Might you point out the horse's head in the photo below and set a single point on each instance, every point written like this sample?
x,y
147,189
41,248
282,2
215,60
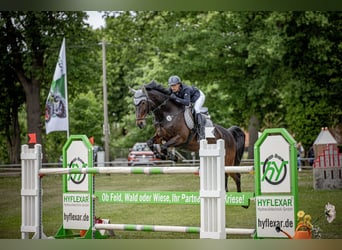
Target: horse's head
x,y
141,107
152,98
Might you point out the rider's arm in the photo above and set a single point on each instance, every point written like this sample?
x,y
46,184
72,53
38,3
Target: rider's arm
x,y
186,98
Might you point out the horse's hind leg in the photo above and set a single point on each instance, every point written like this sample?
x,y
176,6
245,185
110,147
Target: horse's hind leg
x,y
237,179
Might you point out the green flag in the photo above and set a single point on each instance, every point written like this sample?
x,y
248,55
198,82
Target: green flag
x,y
56,108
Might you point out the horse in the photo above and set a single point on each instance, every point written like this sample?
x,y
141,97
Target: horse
x,y
171,129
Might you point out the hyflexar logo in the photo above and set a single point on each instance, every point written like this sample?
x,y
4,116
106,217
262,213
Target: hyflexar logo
x,y
77,154
77,162
274,169
275,165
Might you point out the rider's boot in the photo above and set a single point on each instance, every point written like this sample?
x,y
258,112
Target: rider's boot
x,y
200,126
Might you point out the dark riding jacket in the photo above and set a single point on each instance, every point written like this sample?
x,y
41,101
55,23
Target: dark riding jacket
x,y
186,94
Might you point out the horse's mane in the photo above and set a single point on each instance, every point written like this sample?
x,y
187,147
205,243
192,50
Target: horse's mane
x,y
154,85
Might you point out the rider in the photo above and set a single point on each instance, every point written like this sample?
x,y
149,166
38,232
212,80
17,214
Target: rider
x,y
187,95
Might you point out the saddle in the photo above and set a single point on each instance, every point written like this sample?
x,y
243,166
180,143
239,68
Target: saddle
x,y
189,117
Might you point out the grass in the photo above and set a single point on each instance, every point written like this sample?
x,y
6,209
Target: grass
x,y
310,200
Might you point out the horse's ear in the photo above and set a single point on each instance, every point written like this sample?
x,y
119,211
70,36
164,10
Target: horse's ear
x,y
132,90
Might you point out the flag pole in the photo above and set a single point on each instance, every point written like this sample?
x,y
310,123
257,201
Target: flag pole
x,y
66,88
105,108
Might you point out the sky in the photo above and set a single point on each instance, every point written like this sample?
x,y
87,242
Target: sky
x,y
95,19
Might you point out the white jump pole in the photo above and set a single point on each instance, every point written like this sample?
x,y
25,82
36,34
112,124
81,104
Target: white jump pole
x,y
138,170
164,228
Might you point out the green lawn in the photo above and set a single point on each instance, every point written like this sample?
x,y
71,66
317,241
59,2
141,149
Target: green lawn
x,y
310,201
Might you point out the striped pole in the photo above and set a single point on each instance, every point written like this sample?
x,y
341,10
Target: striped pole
x,y
162,228
138,170
147,228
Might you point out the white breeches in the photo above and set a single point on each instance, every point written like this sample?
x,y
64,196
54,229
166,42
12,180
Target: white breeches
x,y
199,103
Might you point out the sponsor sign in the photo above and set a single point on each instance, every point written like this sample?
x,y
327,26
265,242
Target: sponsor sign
x,y
77,157
160,197
76,211
77,195
272,212
275,165
275,183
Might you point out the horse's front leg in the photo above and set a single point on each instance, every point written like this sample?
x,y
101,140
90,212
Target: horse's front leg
x,y
155,140
151,142
173,142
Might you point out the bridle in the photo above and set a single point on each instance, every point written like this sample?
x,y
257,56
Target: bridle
x,y
144,96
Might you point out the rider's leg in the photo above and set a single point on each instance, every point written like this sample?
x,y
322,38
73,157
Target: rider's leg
x,y
200,126
200,121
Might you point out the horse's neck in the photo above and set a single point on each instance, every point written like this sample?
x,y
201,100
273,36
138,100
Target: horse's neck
x,y
163,107
160,110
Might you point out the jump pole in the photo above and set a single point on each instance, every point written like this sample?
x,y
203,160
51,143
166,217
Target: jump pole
x,y
138,170
162,228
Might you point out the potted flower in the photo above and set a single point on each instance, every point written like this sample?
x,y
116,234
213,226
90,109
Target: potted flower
x,y
305,229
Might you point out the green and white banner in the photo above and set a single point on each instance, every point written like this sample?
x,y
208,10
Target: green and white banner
x,y
167,197
56,107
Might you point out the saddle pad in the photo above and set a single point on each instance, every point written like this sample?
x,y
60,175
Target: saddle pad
x,y
189,118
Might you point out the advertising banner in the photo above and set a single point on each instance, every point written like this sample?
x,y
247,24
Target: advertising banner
x,y
77,157
76,211
276,183
272,212
275,165
167,197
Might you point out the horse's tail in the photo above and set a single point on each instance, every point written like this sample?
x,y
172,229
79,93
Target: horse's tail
x,y
239,137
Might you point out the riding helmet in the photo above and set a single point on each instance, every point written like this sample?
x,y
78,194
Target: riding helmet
x,y
173,80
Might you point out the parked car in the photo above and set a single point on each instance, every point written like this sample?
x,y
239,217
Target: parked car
x,y
141,154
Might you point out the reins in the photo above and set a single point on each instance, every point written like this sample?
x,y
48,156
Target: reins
x,y
149,101
153,111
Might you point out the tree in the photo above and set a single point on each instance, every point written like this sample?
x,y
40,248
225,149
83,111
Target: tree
x,y
12,97
227,54
29,38
313,98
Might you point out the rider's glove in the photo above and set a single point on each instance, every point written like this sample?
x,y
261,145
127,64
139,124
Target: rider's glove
x,y
173,96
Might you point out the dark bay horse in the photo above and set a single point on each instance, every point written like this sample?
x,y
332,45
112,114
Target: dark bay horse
x,y
171,129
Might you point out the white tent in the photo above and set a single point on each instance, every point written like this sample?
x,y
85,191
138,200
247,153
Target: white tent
x,y
323,139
